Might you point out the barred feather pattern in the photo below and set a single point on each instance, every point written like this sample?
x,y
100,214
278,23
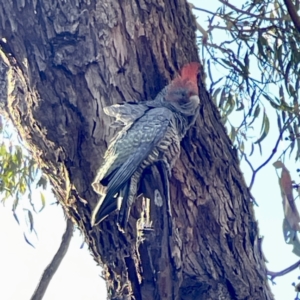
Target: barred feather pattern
x,y
152,132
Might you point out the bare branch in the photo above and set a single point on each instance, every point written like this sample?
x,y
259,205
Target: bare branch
x,y
55,263
273,152
244,155
201,9
244,12
199,27
283,272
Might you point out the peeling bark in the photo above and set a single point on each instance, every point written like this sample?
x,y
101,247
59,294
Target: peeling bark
x,y
61,63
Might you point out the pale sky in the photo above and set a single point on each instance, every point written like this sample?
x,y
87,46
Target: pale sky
x,y
78,276
21,265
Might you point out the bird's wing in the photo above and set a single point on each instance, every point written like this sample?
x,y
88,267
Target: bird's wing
x,y
125,113
130,150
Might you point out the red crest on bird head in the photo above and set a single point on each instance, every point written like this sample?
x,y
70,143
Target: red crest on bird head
x,y
187,78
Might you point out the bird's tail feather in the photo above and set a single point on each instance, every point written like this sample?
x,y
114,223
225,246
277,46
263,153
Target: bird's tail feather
x,y
125,207
100,212
107,205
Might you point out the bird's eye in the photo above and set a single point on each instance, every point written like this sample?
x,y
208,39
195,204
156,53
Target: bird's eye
x,y
183,101
182,97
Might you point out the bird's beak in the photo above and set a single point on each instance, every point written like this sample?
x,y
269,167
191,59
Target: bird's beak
x,y
195,100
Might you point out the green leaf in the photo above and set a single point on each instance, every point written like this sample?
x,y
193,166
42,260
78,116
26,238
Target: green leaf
x,y
292,148
264,128
215,94
255,115
16,217
281,94
16,202
246,60
242,146
256,111
232,134
43,200
286,74
29,218
279,122
252,149
261,43
291,90
229,107
27,241
278,53
241,106
42,182
283,105
227,62
223,98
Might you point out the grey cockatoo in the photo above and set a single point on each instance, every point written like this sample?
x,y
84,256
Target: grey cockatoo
x,y
151,133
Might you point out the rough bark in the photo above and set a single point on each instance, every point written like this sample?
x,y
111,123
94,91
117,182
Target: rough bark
x,y
65,61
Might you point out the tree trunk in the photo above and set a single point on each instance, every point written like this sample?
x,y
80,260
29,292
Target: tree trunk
x,y
62,62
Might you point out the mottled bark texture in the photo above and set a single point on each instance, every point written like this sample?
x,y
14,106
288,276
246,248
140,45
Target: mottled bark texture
x,y
65,61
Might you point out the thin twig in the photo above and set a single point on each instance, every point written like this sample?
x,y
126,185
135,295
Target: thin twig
x,y
247,160
273,152
261,16
232,55
54,264
283,272
283,153
242,29
201,9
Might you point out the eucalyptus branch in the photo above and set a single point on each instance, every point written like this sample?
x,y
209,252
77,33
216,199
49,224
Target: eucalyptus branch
x,y
233,56
244,155
201,9
293,13
241,30
284,152
261,90
54,264
244,12
273,152
291,268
